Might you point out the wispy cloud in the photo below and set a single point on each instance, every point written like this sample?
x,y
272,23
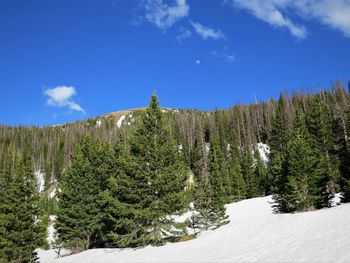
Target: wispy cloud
x,y
164,15
184,34
270,12
333,13
61,96
197,61
224,54
206,32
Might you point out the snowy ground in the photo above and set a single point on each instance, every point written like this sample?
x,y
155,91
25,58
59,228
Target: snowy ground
x,y
255,234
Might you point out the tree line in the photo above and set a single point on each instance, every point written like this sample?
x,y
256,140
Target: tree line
x,y
124,187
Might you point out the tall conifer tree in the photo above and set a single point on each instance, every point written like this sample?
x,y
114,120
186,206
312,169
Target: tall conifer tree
x,y
78,216
301,190
319,125
20,232
160,176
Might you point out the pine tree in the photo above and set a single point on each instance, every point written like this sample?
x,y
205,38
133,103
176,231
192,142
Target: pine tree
x,y
219,173
19,214
200,156
212,195
78,216
301,190
319,126
278,141
238,184
260,173
249,173
345,160
119,222
160,177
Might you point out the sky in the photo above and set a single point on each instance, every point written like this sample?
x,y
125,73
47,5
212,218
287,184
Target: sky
x,y
65,60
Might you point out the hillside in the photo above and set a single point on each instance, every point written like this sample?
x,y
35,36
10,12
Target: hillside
x,y
255,234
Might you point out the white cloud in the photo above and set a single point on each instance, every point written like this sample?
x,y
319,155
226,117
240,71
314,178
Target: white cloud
x,y
61,96
184,34
333,13
206,32
197,61
224,54
163,15
270,12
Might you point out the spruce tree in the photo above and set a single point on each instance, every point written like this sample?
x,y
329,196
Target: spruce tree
x,y
345,160
260,173
238,184
249,173
278,142
118,201
19,214
319,126
213,196
160,176
78,216
301,190
219,173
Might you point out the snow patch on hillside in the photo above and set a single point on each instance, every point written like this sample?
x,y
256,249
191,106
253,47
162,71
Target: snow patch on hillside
x,y
40,177
53,193
98,123
207,147
120,121
264,151
255,234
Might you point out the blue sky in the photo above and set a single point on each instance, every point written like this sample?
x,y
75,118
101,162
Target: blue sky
x,y
63,60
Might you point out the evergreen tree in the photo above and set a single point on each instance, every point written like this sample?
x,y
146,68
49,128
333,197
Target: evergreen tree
x,y
278,141
78,216
238,184
301,190
211,195
345,160
200,156
118,201
319,126
260,173
249,173
19,214
160,177
219,173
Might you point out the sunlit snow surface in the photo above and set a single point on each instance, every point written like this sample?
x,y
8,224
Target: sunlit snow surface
x,y
255,234
264,151
120,121
40,180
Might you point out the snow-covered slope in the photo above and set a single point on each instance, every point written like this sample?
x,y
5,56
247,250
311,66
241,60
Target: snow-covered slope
x,y
255,234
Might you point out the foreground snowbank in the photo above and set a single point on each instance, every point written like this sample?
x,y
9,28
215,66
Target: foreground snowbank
x,y
255,233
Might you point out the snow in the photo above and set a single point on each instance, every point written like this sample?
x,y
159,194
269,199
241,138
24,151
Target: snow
x,y
51,234
207,147
255,234
120,121
336,200
98,123
264,151
51,231
40,180
52,194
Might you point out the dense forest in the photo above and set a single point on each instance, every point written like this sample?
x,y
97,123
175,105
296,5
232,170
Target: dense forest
x,y
121,179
